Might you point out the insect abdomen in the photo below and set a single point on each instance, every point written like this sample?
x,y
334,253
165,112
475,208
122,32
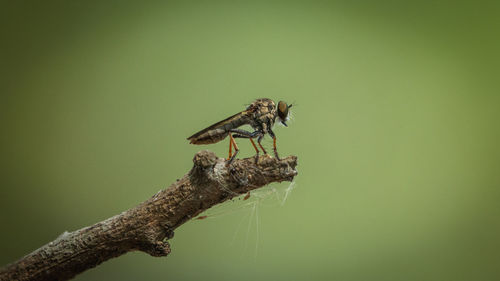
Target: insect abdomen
x,y
210,136
217,131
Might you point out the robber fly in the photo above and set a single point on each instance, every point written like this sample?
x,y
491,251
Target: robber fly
x,y
261,115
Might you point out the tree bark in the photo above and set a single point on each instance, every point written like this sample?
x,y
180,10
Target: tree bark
x,y
147,226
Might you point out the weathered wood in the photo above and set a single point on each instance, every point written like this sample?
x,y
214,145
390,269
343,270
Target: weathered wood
x,y
147,226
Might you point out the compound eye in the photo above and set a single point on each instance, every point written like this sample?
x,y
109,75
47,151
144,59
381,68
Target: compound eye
x,y
282,110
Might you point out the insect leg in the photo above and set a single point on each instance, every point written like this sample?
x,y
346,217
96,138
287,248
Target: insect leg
x,y
261,147
256,151
245,134
230,149
271,133
254,146
235,150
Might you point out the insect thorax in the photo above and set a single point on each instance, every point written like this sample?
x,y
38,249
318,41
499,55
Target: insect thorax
x,y
264,114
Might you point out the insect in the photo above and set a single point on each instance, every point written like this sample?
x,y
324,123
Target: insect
x,y
260,115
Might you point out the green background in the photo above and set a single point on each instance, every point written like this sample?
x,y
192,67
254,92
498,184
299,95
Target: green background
x,y
395,128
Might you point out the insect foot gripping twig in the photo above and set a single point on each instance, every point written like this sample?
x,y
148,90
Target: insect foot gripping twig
x,y
147,226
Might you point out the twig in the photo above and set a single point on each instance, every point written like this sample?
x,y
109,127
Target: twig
x,y
147,226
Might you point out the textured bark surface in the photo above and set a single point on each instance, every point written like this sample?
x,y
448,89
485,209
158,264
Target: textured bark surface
x,y
147,226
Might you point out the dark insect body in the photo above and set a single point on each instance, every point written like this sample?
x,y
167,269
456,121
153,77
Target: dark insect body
x,y
260,115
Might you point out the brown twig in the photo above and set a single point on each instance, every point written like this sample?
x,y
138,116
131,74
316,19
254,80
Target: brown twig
x,y
147,226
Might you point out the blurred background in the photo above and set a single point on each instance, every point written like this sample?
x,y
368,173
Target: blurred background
x,y
395,128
